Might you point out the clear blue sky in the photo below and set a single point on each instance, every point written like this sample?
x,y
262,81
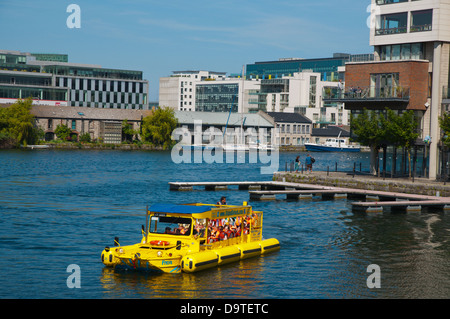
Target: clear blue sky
x,y
158,37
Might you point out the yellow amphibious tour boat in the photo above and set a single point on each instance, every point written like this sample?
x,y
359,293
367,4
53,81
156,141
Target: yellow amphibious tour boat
x,y
193,237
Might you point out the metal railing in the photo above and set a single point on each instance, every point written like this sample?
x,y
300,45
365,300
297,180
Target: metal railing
x,y
364,93
390,1
420,28
390,31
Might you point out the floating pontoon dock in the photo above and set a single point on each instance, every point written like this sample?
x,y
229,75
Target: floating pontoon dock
x,y
374,201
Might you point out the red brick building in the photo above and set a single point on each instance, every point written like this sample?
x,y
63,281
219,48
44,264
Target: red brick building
x,y
398,85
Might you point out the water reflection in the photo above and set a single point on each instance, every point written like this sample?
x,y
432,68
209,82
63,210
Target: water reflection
x,y
243,279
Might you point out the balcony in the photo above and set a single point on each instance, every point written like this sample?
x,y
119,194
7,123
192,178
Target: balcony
x,y
255,101
370,97
367,93
420,28
395,23
379,2
421,20
390,31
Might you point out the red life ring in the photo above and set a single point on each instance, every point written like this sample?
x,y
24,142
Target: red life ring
x,y
159,243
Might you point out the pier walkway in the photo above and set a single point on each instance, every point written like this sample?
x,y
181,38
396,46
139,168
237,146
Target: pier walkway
x,y
367,198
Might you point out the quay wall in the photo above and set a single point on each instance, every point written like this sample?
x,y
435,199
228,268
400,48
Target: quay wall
x,y
336,179
93,146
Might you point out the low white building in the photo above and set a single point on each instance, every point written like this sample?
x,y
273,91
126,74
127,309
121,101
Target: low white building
x,y
234,128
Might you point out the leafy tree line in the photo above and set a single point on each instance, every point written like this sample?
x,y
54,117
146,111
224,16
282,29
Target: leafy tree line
x,y
379,129
17,127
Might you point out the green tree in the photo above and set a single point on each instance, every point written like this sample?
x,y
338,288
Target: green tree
x,y
444,123
400,130
63,132
18,124
367,131
128,133
157,128
375,130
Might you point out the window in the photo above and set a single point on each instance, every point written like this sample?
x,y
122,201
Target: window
x,y
417,51
421,20
404,52
395,54
392,24
170,225
74,124
383,85
312,91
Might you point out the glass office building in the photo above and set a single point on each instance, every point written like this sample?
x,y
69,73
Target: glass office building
x,y
51,78
327,67
217,97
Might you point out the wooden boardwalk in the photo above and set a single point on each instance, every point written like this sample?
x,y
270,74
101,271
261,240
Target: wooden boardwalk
x,y
369,200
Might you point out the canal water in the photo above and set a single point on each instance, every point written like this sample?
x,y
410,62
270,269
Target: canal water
x,y
62,207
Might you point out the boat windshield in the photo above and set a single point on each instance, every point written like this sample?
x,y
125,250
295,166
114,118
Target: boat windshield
x,y
170,225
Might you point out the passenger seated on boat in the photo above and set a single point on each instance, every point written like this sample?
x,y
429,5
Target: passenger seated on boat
x,y
222,234
246,226
237,233
199,229
227,230
213,235
182,229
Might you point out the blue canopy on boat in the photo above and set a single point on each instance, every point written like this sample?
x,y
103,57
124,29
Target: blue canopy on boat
x,y
179,209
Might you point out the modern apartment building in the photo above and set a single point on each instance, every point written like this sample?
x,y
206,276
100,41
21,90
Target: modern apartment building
x,y
411,71
178,90
327,67
299,93
225,95
49,79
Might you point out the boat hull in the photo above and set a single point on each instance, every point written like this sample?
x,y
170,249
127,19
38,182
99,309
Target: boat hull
x,y
191,262
325,148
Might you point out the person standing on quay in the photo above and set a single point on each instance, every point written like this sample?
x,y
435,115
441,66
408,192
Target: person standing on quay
x,y
223,201
308,163
297,163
